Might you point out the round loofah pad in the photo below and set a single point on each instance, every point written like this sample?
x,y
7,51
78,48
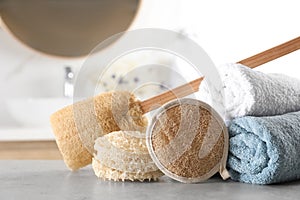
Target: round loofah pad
x,y
188,141
124,154
107,173
76,127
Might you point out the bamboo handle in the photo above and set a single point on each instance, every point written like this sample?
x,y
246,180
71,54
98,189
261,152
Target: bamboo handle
x,y
272,54
193,86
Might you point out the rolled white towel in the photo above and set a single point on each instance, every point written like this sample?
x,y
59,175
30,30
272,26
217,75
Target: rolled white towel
x,y
250,92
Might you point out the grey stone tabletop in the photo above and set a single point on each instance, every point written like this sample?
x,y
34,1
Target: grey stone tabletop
x,y
52,180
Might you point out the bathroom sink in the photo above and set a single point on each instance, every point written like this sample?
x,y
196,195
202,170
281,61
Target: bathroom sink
x,y
35,112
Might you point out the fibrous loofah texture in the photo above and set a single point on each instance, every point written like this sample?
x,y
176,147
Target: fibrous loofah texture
x,y
107,173
189,141
75,155
125,151
76,127
125,154
108,112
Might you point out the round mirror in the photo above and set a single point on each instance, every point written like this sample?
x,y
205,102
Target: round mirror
x,y
67,28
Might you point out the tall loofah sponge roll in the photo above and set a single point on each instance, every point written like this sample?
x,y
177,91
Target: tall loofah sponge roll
x,y
76,127
123,155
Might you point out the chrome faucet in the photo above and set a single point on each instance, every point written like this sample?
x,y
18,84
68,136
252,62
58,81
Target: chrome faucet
x,y
68,82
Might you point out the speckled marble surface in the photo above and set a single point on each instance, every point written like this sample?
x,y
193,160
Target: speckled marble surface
x,y
52,180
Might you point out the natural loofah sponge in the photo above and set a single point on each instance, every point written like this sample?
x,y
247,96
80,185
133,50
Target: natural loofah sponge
x,y
75,155
107,173
76,127
123,155
188,141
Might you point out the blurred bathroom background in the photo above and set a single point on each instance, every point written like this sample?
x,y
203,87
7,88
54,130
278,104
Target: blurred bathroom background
x,y
34,83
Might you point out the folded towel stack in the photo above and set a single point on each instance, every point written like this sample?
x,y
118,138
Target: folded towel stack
x,y
265,150
262,150
250,92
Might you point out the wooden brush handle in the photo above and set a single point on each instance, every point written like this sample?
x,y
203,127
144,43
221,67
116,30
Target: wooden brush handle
x,y
272,54
193,86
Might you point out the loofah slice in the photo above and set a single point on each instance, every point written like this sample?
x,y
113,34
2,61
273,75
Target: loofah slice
x,y
107,173
121,160
125,152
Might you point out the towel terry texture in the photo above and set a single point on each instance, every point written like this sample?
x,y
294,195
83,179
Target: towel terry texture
x,y
250,92
265,150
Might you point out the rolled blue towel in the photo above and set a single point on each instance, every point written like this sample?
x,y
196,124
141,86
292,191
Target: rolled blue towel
x,y
265,150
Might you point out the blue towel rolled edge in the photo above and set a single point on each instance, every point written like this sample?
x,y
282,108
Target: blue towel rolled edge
x,y
265,150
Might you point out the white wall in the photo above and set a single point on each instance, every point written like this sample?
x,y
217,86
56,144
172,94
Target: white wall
x,y
229,30
26,73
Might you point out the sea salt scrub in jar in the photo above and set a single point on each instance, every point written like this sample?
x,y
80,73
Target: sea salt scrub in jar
x,y
188,141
